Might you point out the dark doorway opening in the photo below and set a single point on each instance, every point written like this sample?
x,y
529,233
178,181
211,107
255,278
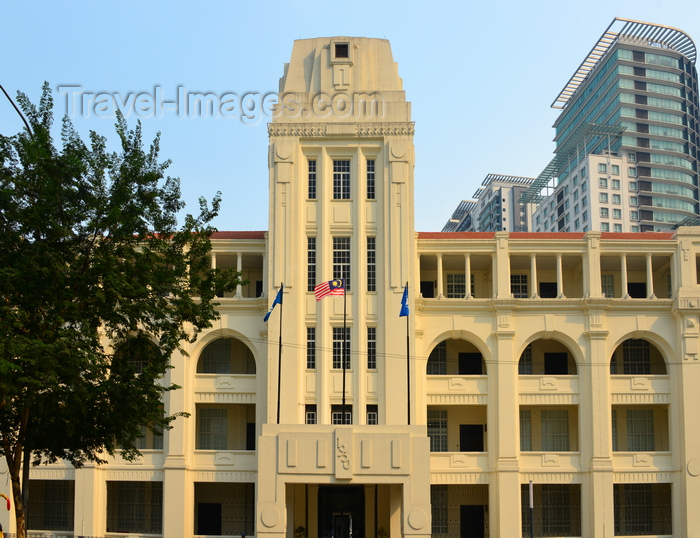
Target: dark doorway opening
x,y
548,290
556,363
427,289
341,512
637,290
470,364
471,438
471,521
209,518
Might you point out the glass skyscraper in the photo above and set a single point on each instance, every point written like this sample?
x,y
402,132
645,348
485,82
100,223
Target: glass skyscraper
x,y
626,156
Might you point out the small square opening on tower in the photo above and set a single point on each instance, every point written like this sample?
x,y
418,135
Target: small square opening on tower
x,y
342,50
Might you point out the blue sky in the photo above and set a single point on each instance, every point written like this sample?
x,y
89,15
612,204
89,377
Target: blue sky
x,y
481,77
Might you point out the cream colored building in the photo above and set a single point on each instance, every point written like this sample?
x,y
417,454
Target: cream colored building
x,y
569,360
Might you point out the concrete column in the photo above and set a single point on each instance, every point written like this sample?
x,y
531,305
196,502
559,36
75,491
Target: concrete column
x,y
266,278
395,502
560,279
502,416
592,285
467,276
239,269
533,275
91,512
623,276
178,497
440,294
650,278
213,260
597,504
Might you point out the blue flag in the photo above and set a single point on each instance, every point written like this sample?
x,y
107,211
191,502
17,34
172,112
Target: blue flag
x,y
404,303
278,300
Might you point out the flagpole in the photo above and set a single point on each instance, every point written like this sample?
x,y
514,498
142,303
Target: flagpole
x,y
408,368
279,360
344,353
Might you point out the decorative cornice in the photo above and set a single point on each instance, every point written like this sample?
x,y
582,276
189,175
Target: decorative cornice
x,y
321,129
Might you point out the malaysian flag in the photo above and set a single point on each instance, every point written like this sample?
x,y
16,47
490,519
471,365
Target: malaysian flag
x,y
332,287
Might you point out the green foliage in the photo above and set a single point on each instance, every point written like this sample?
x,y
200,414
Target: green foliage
x,y
92,260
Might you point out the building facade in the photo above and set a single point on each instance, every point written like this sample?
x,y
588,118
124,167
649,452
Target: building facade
x,y
568,360
629,131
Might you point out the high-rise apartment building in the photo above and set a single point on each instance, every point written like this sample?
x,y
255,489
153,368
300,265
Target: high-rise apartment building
x,y
627,137
497,207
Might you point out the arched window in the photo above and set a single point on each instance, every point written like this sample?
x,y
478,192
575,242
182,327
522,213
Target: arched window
x,y
226,356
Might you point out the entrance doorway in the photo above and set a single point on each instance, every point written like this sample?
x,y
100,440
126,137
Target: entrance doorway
x,y
471,521
341,512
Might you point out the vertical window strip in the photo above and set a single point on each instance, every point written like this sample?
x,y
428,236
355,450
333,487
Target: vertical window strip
x,y
438,504
608,286
437,430
312,180
341,260
372,414
213,429
338,342
525,363
437,361
518,286
370,180
371,348
555,431
614,430
311,264
525,431
640,430
341,180
456,286
311,348
371,264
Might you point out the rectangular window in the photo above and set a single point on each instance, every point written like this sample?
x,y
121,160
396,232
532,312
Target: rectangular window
x,y
311,263
311,348
312,179
576,209
135,507
604,212
371,264
525,431
617,228
642,509
614,430
371,348
53,506
583,186
338,342
584,201
310,412
555,431
615,170
584,216
370,180
617,213
633,186
341,260
632,171
635,229
456,286
634,215
341,180
640,430
616,199
603,183
372,415
437,430
634,201
337,414
631,157
603,197
604,227
616,184
212,429
602,168
518,286
608,286
636,357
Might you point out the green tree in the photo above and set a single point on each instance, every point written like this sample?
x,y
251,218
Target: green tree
x,y
99,286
